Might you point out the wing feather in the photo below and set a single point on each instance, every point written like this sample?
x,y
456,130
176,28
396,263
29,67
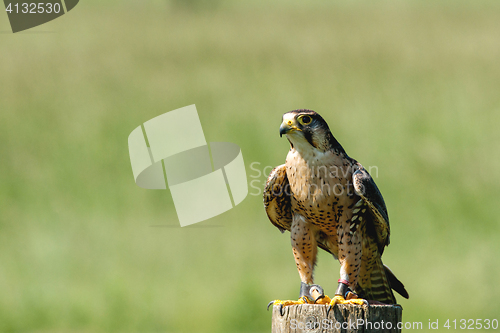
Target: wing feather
x,y
277,199
366,188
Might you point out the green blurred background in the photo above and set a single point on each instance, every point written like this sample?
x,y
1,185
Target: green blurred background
x,y
411,87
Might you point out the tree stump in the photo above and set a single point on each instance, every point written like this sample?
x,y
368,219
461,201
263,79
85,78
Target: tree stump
x,y
312,318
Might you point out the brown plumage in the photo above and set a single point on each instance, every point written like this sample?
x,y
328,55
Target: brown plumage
x,y
327,199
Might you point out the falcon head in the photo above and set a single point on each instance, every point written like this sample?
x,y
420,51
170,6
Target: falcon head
x,y
306,129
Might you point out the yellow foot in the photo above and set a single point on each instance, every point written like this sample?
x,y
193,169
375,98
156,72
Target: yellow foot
x,y
282,304
325,300
351,299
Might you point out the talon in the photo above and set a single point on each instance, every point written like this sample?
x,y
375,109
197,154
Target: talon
x,y
323,300
282,304
350,295
318,298
329,307
315,293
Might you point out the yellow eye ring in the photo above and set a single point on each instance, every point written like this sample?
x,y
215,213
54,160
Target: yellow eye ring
x,y
305,120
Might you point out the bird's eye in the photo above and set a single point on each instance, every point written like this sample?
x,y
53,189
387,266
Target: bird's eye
x,y
305,120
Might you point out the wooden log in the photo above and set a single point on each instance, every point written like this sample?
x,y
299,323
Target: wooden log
x,y
312,318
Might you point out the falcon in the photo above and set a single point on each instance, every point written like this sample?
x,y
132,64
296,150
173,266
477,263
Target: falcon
x,y
327,199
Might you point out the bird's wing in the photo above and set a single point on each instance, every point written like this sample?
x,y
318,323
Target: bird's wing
x,y
277,199
366,188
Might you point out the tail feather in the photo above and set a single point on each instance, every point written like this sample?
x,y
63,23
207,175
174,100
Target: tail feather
x,y
395,283
382,282
378,288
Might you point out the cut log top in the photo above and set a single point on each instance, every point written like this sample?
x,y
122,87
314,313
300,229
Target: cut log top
x,y
312,318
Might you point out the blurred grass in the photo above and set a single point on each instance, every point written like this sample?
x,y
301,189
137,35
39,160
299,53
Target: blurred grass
x,y
408,87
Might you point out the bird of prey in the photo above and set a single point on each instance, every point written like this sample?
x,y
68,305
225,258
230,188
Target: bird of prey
x,y
326,198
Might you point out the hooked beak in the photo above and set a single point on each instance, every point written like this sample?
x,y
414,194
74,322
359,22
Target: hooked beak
x,y
284,128
287,126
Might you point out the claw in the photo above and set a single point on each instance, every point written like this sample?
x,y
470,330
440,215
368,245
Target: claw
x,y
350,295
319,297
351,298
315,293
309,294
282,304
329,307
282,313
